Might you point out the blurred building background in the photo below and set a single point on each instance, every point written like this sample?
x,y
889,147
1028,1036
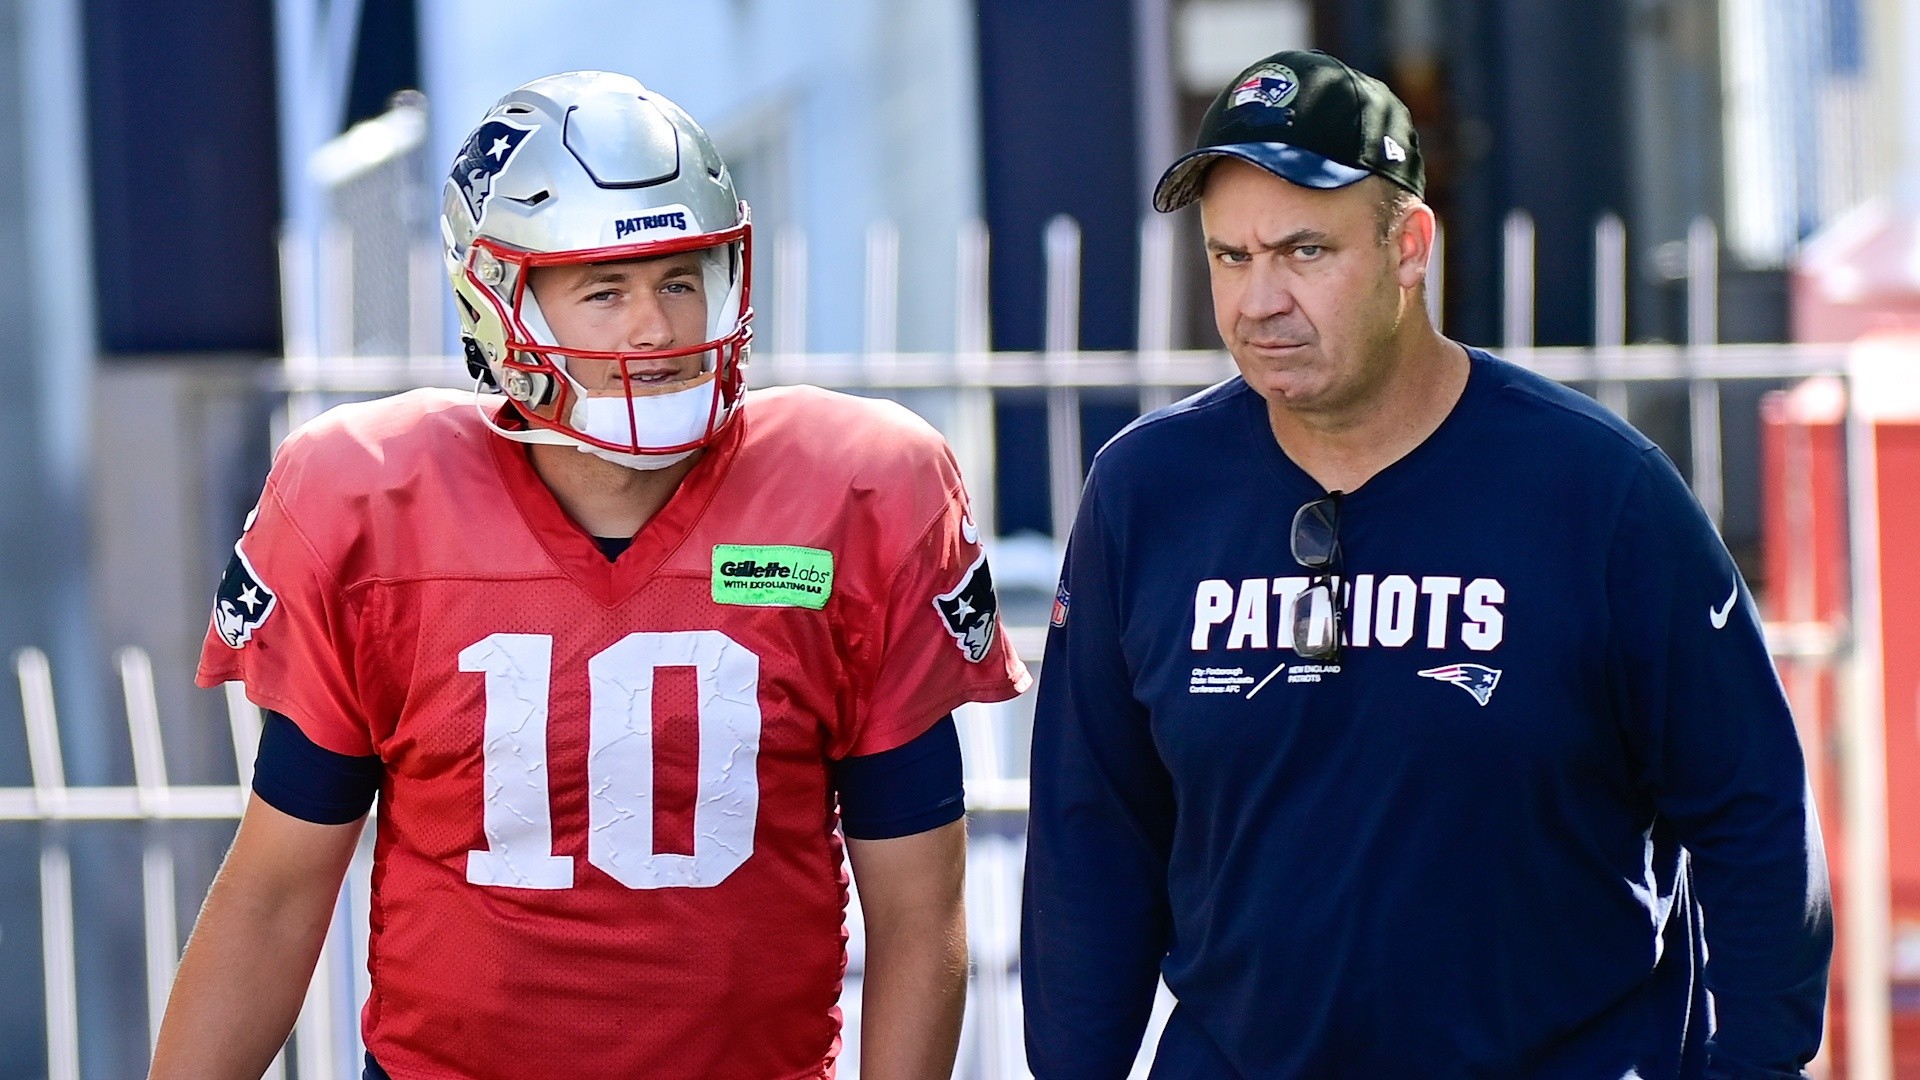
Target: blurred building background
x,y
193,213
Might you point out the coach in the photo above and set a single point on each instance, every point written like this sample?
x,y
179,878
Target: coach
x,y
1402,708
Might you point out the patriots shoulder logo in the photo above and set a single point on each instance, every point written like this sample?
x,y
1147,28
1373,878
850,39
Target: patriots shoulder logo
x,y
486,153
242,603
1474,679
967,610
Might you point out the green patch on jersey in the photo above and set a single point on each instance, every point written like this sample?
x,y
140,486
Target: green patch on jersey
x,y
772,575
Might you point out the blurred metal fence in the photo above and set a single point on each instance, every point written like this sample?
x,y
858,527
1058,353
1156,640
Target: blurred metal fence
x,y
956,390
326,1042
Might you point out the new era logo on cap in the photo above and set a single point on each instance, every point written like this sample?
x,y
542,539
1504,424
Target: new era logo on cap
x,y
1307,118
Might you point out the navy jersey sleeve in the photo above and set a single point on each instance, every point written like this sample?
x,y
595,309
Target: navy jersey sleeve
x,y
1095,915
296,776
906,790
1710,729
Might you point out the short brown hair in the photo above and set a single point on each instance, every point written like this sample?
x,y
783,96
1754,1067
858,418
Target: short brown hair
x,y
1393,205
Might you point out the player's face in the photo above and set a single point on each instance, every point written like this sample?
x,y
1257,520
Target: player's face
x,y
1305,295
641,305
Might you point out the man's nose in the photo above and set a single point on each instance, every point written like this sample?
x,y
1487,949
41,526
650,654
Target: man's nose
x,y
647,326
1269,290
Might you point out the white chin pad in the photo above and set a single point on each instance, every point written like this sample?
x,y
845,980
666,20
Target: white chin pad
x,y
667,418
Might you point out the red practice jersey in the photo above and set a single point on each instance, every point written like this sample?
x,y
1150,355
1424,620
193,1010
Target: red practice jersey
x,y
607,843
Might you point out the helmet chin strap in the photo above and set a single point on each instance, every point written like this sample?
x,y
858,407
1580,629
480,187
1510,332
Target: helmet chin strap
x,y
673,417
648,463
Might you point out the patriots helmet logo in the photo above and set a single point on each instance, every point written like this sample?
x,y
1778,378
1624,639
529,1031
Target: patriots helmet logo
x,y
968,610
492,145
1272,85
1474,679
242,603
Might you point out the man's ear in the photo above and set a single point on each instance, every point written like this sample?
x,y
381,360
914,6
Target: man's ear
x,y
1413,239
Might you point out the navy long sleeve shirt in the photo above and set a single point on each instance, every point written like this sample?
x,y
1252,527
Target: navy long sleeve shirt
x,y
1489,842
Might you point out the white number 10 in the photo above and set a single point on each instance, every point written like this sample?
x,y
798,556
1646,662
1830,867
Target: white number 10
x,y
517,808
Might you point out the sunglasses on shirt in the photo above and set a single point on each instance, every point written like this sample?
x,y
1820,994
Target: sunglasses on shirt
x,y
1315,539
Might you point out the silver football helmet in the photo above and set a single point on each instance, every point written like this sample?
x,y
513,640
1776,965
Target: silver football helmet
x,y
592,167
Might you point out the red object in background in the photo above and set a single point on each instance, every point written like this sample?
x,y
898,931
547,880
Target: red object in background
x,y
1805,552
1860,275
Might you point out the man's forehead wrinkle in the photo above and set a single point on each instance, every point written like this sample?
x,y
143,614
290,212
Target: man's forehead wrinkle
x,y
1306,234
1299,236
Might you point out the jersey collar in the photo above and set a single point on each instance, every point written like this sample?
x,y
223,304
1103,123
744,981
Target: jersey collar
x,y
575,553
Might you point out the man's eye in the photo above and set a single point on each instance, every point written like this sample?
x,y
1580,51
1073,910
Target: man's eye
x,y
1231,258
1308,251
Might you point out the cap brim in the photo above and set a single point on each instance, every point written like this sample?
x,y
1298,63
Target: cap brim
x,y
1182,181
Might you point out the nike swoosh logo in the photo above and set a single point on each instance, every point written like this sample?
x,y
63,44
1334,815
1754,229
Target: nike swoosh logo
x,y
1718,616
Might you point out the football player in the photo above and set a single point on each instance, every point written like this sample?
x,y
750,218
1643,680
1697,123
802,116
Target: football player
x,y
623,650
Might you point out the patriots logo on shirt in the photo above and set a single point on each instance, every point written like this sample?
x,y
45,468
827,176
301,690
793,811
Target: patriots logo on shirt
x,y
487,152
242,603
1271,85
968,609
1474,679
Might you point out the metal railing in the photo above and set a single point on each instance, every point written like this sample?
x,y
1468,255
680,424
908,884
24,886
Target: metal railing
x,y
1154,368
325,1041
152,798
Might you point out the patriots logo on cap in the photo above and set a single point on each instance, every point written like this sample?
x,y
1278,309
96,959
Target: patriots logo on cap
x,y
1272,85
488,150
967,610
1474,679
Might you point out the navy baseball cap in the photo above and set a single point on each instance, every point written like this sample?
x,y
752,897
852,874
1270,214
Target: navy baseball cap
x,y
1305,117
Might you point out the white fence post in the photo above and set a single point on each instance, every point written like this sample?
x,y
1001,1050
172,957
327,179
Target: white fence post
x,y
57,954
43,731
1518,282
1610,310
973,438
426,310
56,871
1062,346
243,716
161,916
1703,394
882,338
1155,326
789,294
1866,922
